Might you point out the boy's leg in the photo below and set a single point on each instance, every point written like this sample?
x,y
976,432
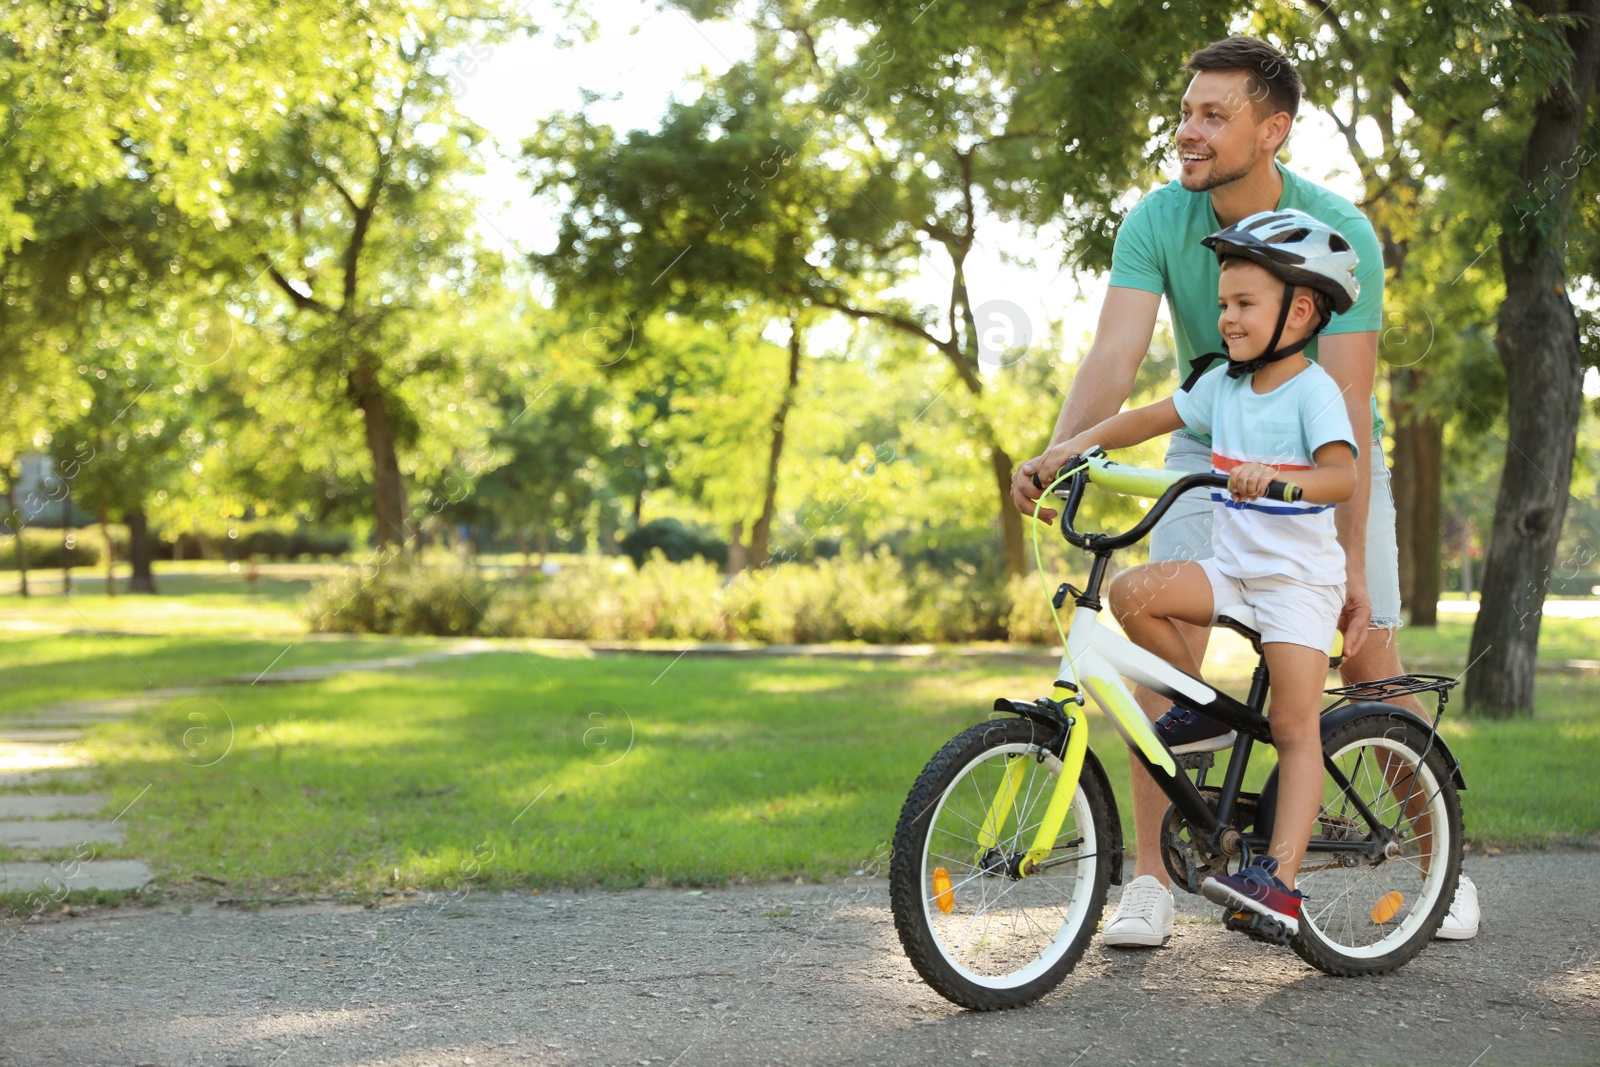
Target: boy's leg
x,y
1266,887
1150,601
1298,673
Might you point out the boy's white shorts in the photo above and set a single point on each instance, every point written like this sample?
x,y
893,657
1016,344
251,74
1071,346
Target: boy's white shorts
x,y
1287,609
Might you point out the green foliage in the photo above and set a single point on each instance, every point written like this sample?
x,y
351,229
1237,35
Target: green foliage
x,y
401,600
875,599
46,549
674,541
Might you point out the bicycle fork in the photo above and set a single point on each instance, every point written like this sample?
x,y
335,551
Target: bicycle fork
x,y
1055,815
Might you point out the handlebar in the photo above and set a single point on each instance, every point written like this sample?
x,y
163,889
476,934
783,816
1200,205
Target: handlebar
x,y
1137,481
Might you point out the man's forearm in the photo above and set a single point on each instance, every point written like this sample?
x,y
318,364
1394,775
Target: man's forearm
x,y
1350,518
1097,393
1351,360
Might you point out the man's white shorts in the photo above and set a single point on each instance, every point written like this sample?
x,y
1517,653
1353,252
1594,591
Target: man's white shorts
x,y
1287,609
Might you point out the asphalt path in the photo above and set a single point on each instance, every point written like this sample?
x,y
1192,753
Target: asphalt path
x,y
779,974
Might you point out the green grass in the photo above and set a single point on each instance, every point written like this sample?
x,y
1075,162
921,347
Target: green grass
x,y
202,597
519,769
522,770
37,672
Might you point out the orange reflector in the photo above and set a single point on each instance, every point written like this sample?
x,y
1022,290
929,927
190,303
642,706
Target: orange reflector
x,y
943,895
1387,907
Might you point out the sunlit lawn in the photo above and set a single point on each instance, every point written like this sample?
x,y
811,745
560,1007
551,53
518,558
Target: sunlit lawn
x,y
724,770
524,769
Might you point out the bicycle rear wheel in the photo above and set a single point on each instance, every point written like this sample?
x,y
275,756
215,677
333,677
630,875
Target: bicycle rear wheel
x,y
979,934
1365,913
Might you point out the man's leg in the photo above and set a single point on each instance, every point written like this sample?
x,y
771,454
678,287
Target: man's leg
x,y
1379,657
1143,917
1152,603
1149,802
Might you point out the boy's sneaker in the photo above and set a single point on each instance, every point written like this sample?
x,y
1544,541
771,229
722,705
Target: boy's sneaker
x,y
1257,888
1143,918
1461,922
1184,731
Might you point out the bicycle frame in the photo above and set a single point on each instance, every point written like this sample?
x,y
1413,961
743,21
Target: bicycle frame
x,y
1096,659
1095,662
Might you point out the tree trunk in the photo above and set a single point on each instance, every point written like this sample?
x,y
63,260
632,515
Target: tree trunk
x,y
736,554
22,543
389,491
1418,486
141,551
111,553
66,540
1010,518
1537,342
1466,560
761,533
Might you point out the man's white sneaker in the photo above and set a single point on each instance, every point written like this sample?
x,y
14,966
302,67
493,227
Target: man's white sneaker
x,y
1143,918
1461,922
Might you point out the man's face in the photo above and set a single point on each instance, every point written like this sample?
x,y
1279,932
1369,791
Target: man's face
x,y
1220,139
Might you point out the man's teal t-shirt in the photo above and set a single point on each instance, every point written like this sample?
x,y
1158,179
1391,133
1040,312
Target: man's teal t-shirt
x,y
1158,250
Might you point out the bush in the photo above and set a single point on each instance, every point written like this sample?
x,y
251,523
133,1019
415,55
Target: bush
x,y
398,599
45,550
675,541
873,599
661,599
876,599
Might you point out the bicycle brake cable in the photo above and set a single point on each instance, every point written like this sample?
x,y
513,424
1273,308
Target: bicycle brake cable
x,y
1038,559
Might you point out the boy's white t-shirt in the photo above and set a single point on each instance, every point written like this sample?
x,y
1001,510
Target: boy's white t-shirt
x,y
1283,429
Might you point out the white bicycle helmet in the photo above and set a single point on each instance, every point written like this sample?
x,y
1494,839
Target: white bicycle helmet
x,y
1298,250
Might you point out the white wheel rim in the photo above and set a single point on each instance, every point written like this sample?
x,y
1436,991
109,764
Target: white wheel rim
x,y
1077,905
1346,904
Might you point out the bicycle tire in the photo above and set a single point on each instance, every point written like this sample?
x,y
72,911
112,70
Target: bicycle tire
x,y
1033,930
1366,918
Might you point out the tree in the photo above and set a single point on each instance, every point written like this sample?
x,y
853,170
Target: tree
x,y
1538,343
812,188
356,222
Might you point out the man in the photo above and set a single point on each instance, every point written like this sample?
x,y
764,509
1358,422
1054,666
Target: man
x,y
1237,113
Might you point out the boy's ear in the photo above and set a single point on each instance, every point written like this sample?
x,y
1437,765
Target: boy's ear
x,y
1303,310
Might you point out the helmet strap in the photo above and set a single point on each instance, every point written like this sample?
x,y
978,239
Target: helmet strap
x,y
1272,354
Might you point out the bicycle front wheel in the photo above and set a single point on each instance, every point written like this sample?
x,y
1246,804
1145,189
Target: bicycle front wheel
x,y
1368,912
979,933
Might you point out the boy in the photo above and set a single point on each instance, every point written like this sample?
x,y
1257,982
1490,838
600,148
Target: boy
x,y
1272,414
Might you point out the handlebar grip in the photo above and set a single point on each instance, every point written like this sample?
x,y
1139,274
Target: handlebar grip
x,y
1288,492
1071,463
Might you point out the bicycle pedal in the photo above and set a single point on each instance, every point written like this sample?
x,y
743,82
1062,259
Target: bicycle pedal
x,y
1196,761
1260,927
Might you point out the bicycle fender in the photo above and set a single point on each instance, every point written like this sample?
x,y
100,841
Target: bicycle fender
x,y
1091,766
1339,718
1336,720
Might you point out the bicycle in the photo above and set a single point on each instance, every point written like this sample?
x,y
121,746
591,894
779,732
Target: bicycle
x,y
1010,838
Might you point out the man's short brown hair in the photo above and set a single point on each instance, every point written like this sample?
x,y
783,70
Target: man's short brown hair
x,y
1274,85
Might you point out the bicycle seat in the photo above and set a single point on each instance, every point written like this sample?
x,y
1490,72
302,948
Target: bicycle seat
x,y
1241,619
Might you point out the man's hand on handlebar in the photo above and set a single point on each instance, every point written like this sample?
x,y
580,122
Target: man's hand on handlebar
x,y
1046,467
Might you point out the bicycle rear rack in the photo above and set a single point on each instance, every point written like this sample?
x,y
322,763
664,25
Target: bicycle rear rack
x,y
1386,689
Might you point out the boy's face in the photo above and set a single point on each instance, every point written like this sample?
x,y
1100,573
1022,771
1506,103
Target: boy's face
x,y
1248,300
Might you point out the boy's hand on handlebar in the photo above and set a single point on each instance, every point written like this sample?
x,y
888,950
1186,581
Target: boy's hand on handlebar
x,y
1249,481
